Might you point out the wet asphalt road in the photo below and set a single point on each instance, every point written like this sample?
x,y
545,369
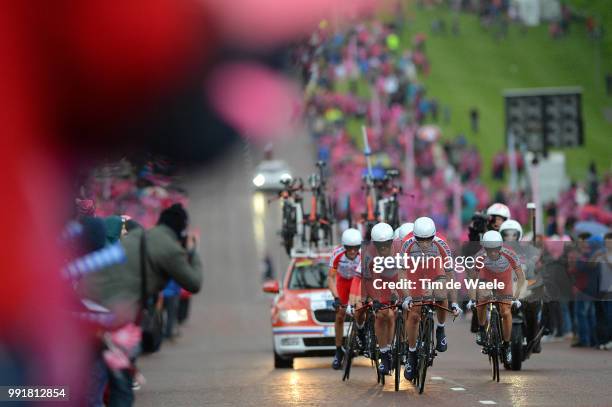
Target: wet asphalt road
x,y
224,355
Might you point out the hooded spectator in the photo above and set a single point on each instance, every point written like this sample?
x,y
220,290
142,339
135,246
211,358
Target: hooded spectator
x,y
114,228
93,237
169,257
131,225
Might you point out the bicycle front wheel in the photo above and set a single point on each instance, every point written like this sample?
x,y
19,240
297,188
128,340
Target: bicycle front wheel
x,y
425,353
371,347
350,350
494,344
398,349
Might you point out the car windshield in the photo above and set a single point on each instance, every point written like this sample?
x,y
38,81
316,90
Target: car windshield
x,y
308,275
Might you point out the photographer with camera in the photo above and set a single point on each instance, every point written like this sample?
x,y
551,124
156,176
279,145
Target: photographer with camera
x,y
481,223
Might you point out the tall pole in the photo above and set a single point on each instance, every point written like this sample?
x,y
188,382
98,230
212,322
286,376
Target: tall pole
x,y
456,225
409,134
376,113
512,162
366,151
535,194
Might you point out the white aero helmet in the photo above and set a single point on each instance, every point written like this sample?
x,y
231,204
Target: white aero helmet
x,y
499,209
491,240
403,230
351,237
382,232
424,227
511,224
396,233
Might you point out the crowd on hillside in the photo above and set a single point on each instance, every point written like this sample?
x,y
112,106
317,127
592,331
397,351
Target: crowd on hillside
x,y
369,74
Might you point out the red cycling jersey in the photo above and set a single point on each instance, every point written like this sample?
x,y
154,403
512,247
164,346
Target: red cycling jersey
x,y
499,269
426,264
348,273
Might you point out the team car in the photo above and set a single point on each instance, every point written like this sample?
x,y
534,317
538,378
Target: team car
x,y
269,174
302,314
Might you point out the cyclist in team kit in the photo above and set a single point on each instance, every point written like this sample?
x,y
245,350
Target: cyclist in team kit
x,y
528,254
402,231
382,244
425,243
498,263
344,282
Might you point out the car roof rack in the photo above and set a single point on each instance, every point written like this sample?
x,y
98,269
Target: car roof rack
x,y
309,252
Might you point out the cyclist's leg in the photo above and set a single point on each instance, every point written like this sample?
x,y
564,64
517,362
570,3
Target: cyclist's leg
x,y
482,317
355,300
440,295
391,325
343,285
343,294
412,325
412,332
483,295
414,316
441,299
481,314
441,314
506,316
384,333
406,317
359,315
339,325
384,320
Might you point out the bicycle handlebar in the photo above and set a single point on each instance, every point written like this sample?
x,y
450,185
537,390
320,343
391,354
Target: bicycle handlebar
x,y
370,304
365,305
433,303
493,302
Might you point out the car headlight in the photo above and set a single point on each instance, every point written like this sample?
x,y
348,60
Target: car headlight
x,y
291,316
259,180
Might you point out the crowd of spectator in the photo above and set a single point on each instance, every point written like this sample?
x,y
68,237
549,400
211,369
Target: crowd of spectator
x,y
369,75
133,266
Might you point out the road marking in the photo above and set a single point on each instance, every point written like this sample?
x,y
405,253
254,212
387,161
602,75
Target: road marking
x,y
457,389
487,402
437,378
